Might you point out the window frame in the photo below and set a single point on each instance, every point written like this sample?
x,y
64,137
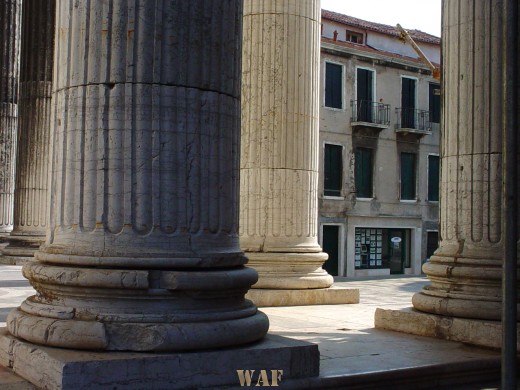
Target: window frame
x,y
372,158
325,195
428,177
430,102
414,170
342,85
354,33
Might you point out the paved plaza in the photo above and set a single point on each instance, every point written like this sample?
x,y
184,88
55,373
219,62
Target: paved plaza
x,y
350,347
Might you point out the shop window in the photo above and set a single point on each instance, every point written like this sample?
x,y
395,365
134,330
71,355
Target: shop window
x,y
433,178
333,170
377,248
333,85
435,103
369,248
363,172
408,166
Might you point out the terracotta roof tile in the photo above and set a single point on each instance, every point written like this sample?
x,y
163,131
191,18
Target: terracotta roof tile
x,y
417,35
369,49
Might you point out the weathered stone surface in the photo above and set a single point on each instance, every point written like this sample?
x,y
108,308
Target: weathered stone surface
x,y
300,297
142,251
67,369
34,109
466,270
476,332
10,22
279,159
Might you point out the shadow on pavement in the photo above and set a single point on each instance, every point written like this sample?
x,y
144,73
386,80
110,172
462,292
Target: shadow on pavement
x,y
14,283
413,287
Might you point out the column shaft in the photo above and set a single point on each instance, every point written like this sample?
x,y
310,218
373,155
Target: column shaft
x,y
466,269
142,252
279,159
10,18
30,197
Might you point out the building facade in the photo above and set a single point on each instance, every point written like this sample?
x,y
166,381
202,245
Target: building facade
x,y
379,148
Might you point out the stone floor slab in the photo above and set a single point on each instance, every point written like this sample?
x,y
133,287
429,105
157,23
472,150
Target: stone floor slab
x,y
324,296
476,332
54,368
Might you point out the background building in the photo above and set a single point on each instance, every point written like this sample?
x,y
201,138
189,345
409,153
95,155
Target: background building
x,y
379,148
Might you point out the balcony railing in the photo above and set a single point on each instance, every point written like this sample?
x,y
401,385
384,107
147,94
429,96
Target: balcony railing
x,y
368,112
411,120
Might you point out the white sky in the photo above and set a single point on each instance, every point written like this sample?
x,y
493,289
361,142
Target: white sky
x,y
424,15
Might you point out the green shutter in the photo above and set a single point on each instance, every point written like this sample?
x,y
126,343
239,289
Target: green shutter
x,y
363,173
407,103
408,176
364,95
333,83
433,178
435,104
333,170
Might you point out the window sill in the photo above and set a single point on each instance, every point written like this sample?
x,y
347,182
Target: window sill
x,y
410,201
335,109
365,199
433,201
329,197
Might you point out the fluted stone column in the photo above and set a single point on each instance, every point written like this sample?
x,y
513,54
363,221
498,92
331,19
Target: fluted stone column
x,y
10,18
463,301
466,270
143,252
279,159
30,196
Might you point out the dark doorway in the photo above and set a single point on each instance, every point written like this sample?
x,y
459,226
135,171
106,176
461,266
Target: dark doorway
x,y
331,247
397,248
364,95
432,242
407,103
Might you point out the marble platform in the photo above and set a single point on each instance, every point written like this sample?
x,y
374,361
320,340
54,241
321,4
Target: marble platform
x,y
475,332
55,368
323,296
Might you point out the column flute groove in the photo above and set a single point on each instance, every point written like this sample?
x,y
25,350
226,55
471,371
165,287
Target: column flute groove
x,y
10,31
150,259
30,196
465,271
279,161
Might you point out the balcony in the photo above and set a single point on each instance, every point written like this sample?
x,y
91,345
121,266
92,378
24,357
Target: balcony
x,y
413,121
370,115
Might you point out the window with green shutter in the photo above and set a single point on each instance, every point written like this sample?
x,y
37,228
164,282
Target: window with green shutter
x,y
333,170
435,103
333,83
433,178
408,176
363,172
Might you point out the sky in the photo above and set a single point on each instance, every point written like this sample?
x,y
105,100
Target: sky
x,y
424,15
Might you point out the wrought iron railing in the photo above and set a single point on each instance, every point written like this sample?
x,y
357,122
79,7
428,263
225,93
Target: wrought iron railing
x,y
412,118
370,112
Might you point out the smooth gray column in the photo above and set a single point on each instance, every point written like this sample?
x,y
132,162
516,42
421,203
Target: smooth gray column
x,y
10,14
30,195
142,251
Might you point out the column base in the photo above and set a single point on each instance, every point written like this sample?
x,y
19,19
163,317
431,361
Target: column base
x,y
55,368
484,333
322,296
4,238
20,249
282,270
